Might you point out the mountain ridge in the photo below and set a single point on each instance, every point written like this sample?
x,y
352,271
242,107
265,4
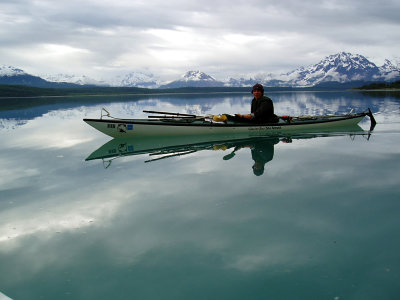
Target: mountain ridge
x,y
341,68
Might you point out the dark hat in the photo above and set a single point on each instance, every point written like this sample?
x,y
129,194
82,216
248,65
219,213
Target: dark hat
x,y
257,87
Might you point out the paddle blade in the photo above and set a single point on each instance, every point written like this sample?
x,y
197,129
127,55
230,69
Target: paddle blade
x,y
229,156
373,121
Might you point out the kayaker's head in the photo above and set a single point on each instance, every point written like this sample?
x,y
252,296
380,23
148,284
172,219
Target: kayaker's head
x,y
257,90
258,168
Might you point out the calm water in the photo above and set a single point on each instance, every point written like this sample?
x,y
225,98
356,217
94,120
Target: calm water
x,y
192,219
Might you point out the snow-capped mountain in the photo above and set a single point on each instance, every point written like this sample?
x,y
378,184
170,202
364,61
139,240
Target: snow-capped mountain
x,y
135,79
10,71
132,79
194,79
70,78
197,76
342,67
241,81
267,79
338,68
389,71
15,76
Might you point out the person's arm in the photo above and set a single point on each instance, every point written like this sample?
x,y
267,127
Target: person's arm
x,y
248,116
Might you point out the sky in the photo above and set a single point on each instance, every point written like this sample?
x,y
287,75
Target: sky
x,y
102,38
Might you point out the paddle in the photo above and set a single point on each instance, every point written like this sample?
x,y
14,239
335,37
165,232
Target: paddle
x,y
217,118
172,115
232,154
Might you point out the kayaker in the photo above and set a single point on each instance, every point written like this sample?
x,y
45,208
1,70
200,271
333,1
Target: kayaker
x,y
262,107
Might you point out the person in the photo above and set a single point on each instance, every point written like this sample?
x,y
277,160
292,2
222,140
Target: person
x,y
262,107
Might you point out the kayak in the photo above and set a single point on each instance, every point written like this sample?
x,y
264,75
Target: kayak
x,y
172,146
176,124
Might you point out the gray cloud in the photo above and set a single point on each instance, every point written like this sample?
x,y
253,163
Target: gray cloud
x,y
168,38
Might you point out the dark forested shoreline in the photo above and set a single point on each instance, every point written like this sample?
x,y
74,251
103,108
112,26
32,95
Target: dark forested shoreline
x,y
28,91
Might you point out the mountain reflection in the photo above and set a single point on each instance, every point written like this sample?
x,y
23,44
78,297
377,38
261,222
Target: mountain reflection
x,y
157,148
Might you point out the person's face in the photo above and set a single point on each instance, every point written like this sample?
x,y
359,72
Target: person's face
x,y
257,94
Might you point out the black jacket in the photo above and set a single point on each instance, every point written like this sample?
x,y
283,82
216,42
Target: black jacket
x,y
263,110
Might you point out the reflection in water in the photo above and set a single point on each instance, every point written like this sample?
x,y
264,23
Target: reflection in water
x,y
262,151
194,222
157,148
14,114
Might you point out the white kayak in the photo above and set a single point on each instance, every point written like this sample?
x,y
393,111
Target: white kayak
x,y
176,124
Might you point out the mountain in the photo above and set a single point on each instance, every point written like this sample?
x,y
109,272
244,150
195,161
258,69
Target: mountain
x,y
194,79
132,79
239,82
10,71
11,75
389,71
71,78
15,76
136,79
342,67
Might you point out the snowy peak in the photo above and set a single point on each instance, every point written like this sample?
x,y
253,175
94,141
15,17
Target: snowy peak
x,y
194,79
197,76
71,78
389,71
10,71
341,67
348,61
240,82
343,62
388,66
136,79
132,79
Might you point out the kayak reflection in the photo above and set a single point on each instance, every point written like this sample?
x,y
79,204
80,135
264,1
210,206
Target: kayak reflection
x,y
157,148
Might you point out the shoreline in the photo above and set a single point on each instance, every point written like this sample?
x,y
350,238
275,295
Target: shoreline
x,y
25,92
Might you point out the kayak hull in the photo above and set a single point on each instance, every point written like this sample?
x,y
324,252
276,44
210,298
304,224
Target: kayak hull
x,y
147,127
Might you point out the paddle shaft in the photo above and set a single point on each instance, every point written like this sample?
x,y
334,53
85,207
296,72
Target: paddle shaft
x,y
169,113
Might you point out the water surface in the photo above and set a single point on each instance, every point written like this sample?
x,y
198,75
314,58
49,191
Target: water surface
x,y
320,221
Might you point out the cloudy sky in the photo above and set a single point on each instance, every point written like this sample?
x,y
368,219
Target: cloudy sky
x,y
101,38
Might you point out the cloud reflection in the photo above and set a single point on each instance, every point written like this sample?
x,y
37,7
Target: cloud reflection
x,y
324,206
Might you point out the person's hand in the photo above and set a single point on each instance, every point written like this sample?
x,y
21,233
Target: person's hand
x,y
248,116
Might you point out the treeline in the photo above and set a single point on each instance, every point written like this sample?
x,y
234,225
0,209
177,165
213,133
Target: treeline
x,y
381,86
27,91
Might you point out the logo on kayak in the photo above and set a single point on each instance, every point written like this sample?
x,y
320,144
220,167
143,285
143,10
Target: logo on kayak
x,y
125,148
130,127
121,128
